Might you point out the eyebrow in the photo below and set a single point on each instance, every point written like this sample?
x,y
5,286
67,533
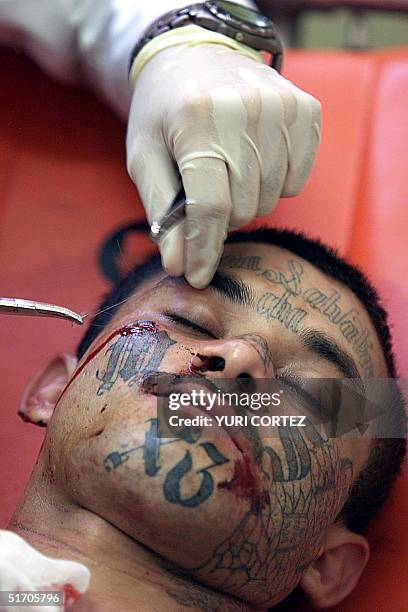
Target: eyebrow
x,y
326,347
234,289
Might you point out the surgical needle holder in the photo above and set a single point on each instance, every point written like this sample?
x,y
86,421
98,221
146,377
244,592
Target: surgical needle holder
x,y
174,215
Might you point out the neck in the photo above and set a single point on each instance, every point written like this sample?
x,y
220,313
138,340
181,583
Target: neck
x,y
125,575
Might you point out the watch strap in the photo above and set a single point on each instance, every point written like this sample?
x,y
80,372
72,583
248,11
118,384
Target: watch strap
x,y
189,35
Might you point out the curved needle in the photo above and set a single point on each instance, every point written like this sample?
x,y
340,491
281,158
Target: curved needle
x,y
37,309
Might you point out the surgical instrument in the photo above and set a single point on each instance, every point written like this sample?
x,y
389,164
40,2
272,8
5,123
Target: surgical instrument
x,y
37,309
174,215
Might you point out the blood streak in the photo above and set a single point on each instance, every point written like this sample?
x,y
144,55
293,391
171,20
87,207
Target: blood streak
x,y
139,328
71,595
245,484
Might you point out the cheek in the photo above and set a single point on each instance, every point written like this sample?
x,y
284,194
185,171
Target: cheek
x,y
76,411
87,427
149,493
308,486
177,358
332,478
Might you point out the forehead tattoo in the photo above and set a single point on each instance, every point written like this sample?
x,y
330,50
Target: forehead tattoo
x,y
277,304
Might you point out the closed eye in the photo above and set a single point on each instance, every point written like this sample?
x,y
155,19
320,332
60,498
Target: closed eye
x,y
187,323
295,387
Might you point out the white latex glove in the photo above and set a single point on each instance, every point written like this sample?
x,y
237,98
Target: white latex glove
x,y
23,568
240,134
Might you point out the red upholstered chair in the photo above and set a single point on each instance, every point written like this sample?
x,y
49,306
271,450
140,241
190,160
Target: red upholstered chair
x,y
64,189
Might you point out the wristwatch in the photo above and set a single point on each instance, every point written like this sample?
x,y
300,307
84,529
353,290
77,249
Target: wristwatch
x,y
243,24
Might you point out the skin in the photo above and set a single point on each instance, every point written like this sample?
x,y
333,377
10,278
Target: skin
x,y
171,525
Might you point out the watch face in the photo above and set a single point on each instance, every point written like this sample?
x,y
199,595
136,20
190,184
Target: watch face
x,y
243,13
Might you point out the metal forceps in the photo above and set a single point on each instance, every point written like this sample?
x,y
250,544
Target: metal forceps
x,y
174,215
31,308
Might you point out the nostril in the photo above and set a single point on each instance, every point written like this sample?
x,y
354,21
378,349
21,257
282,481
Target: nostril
x,y
247,383
215,364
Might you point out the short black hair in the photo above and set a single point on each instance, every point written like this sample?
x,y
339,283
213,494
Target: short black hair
x,y
376,480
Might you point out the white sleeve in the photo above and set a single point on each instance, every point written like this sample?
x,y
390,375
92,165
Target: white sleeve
x,y
24,568
76,39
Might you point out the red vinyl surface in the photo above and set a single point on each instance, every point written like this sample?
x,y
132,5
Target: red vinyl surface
x,y
64,189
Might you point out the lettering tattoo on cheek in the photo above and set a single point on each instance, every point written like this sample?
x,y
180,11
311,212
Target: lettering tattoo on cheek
x,y
173,480
277,305
131,357
305,481
304,478
307,484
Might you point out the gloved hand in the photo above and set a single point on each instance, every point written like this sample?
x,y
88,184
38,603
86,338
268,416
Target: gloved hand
x,y
23,568
240,135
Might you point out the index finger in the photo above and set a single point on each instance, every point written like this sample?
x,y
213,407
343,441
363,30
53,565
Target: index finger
x,y
208,212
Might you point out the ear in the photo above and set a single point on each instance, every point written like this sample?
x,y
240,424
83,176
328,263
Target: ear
x,y
42,392
335,573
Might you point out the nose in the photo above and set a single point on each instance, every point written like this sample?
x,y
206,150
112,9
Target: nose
x,y
234,358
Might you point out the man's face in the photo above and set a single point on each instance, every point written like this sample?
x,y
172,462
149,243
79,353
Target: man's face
x,y
242,520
